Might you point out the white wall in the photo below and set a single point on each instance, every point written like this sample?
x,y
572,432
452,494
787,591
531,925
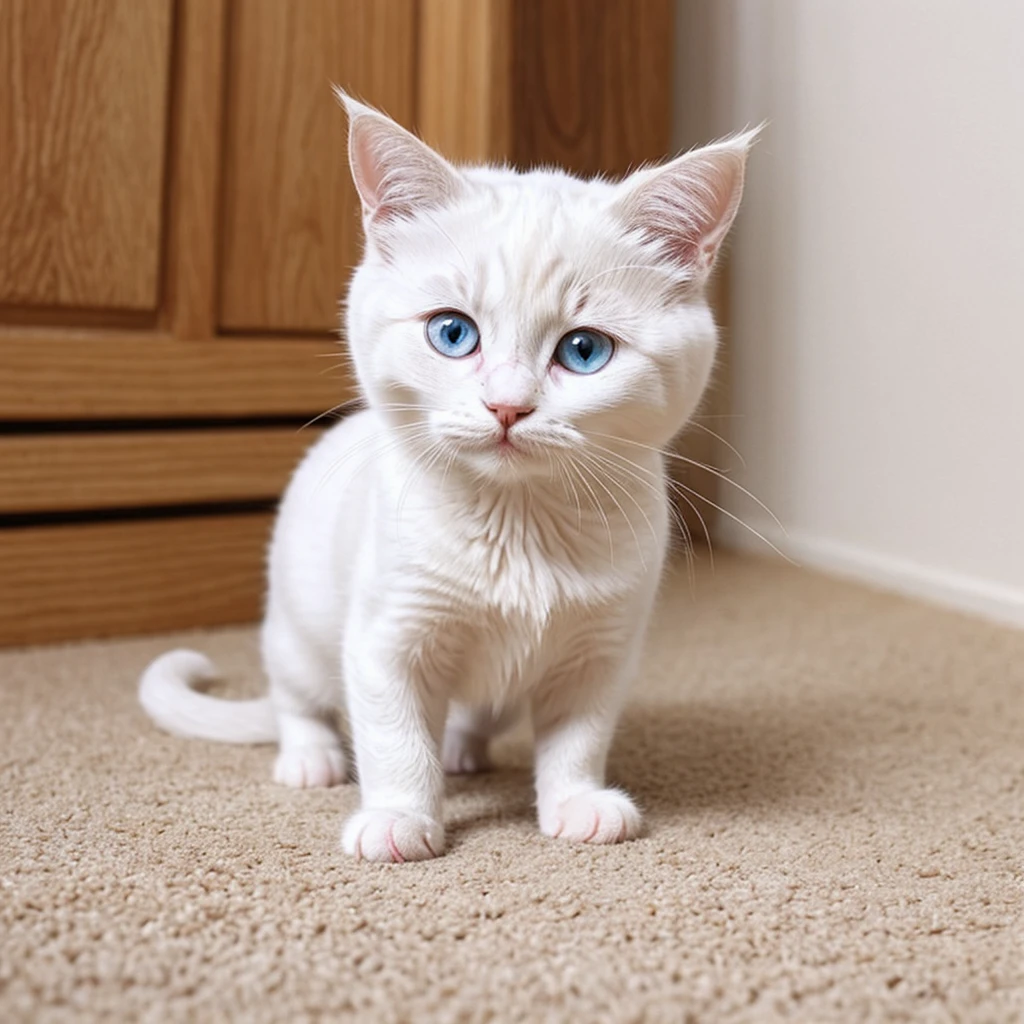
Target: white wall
x,y
878,281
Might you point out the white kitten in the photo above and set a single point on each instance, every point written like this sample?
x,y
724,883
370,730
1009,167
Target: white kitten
x,y
488,535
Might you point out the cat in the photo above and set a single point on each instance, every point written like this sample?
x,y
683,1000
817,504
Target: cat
x,y
485,539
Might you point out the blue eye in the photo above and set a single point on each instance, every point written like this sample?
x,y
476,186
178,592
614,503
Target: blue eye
x,y
584,351
453,334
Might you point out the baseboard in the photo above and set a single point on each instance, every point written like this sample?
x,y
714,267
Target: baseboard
x,y
993,601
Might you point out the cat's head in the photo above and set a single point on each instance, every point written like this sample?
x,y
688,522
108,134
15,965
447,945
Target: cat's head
x,y
503,320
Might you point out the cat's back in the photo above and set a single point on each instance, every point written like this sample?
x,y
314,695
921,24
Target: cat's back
x,y
325,507
328,468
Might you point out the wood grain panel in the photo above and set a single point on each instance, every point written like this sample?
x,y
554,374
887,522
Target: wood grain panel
x,y
196,130
102,579
64,472
464,106
290,216
83,105
83,376
592,82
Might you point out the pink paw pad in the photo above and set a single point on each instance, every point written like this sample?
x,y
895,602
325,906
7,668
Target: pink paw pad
x,y
599,816
310,767
392,837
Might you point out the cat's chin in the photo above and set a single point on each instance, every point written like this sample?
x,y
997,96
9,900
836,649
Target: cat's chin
x,y
506,464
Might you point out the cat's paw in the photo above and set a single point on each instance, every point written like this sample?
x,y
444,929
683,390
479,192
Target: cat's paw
x,y
310,767
597,816
392,837
464,753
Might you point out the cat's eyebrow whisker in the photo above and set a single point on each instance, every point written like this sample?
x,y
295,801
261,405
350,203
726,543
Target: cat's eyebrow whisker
x,y
437,224
709,469
629,266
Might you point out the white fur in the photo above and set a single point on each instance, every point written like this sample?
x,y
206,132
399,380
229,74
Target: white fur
x,y
441,576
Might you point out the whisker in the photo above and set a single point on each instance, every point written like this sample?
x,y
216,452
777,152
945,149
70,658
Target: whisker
x,y
722,440
662,496
622,511
653,268
382,407
408,432
437,224
608,465
598,508
566,478
328,412
675,484
420,467
669,483
331,369
709,469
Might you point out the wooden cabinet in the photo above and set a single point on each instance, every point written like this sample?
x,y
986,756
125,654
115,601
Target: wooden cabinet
x,y
176,228
84,89
288,231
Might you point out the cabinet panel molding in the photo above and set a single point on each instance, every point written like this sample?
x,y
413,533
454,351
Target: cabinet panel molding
x,y
290,228
84,90
58,472
125,376
113,578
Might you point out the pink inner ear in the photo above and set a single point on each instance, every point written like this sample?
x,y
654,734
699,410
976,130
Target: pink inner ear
x,y
394,172
366,171
689,204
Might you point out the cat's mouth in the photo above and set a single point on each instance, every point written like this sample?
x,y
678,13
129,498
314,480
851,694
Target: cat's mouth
x,y
501,454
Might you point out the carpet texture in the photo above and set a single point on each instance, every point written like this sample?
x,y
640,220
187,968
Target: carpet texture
x,y
834,788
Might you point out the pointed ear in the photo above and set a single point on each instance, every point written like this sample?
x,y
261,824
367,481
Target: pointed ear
x,y
395,173
688,204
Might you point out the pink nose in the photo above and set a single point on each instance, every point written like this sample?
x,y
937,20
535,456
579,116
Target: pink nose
x,y
506,415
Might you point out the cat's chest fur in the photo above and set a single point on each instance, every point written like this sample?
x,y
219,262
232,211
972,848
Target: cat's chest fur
x,y
522,554
513,580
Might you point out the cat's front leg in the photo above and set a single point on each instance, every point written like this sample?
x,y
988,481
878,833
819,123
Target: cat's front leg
x,y
396,721
574,719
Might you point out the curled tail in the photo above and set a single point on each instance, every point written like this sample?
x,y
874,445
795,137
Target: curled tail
x,y
167,693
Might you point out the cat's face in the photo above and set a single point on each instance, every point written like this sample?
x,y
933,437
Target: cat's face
x,y
507,322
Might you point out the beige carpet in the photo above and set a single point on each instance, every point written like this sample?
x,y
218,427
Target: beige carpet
x,y
834,786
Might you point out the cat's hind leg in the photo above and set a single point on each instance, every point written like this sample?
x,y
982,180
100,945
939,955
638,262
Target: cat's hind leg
x,y
467,735
305,695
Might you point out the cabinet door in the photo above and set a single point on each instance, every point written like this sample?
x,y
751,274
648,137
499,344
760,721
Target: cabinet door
x,y
140,451
290,224
176,227
83,99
